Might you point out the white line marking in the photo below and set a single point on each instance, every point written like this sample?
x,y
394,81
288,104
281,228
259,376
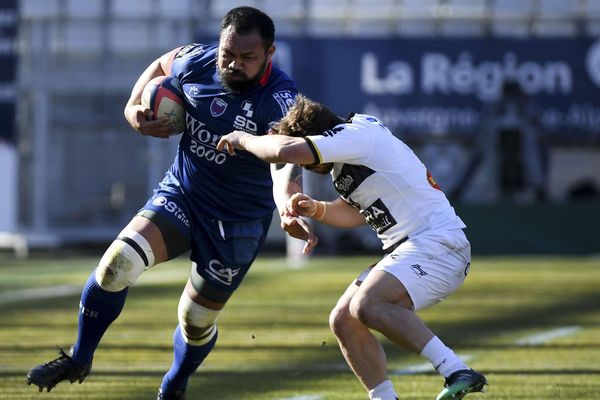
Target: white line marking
x,y
306,397
422,368
543,337
39,293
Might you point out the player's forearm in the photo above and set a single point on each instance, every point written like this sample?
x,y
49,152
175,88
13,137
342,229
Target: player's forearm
x,y
340,214
287,180
277,148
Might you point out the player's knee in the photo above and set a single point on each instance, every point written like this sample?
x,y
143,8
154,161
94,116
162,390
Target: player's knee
x,y
340,320
197,323
124,261
363,309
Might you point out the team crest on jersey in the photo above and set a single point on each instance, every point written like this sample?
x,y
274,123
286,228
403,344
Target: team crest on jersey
x,y
217,107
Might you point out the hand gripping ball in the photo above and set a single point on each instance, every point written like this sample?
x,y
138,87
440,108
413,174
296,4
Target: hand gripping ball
x,y
163,95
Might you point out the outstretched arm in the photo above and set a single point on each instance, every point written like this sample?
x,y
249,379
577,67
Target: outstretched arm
x,y
336,213
269,148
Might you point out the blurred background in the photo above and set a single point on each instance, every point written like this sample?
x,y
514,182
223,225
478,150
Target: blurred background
x,y
499,98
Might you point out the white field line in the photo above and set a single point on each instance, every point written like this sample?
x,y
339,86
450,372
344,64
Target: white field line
x,y
544,337
305,397
49,292
422,368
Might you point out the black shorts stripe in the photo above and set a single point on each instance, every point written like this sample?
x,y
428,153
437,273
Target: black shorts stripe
x,y
313,150
135,246
175,241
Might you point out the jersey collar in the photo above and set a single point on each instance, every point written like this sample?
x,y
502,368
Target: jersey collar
x,y
263,80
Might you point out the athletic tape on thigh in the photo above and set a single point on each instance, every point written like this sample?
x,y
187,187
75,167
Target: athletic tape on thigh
x,y
139,244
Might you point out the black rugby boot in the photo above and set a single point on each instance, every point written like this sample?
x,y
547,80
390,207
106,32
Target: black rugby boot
x,y
60,369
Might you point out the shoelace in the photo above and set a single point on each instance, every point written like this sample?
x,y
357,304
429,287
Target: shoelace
x,y
54,363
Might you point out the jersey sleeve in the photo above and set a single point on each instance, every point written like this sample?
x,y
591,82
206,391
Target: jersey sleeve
x,y
277,105
345,143
186,57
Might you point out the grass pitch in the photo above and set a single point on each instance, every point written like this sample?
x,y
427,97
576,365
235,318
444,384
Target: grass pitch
x,y
531,324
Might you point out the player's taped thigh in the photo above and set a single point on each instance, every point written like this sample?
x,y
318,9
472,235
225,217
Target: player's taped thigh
x,y
124,261
197,322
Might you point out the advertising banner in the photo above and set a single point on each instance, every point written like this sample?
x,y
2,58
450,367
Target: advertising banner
x,y
441,86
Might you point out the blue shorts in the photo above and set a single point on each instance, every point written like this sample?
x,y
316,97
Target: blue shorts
x,y
222,252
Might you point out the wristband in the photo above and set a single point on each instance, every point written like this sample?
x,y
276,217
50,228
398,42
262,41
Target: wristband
x,y
319,216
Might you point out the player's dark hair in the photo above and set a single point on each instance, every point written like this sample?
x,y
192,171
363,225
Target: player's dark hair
x,y
246,20
305,118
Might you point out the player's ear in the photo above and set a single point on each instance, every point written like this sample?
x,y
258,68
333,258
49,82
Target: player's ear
x,y
270,52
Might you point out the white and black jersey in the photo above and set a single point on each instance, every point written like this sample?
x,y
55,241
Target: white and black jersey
x,y
379,175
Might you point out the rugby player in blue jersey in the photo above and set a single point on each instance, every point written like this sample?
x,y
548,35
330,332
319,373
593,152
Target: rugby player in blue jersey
x,y
218,206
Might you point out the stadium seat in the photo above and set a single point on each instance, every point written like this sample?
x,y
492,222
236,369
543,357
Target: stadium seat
x,y
327,18
417,17
39,8
80,38
511,18
558,9
512,9
287,15
372,17
84,9
462,27
463,9
174,8
289,9
132,9
591,12
219,8
128,37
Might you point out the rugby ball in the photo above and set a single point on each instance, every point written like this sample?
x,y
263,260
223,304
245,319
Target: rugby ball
x,y
163,95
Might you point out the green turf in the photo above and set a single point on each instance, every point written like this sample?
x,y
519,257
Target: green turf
x,y
275,342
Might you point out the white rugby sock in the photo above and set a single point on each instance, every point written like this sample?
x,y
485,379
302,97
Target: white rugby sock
x,y
383,391
444,360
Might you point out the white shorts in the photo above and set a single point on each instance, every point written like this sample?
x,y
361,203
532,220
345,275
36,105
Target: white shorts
x,y
430,265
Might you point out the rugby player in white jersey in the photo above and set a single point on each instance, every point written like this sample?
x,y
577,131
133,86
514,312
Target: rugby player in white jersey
x,y
381,182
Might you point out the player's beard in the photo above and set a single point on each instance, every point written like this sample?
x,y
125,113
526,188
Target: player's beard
x,y
237,81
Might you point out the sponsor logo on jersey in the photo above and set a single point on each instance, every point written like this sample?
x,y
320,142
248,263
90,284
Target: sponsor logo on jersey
x,y
190,49
194,91
223,274
173,208
204,143
378,216
285,99
247,108
244,122
331,132
350,177
217,107
418,270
